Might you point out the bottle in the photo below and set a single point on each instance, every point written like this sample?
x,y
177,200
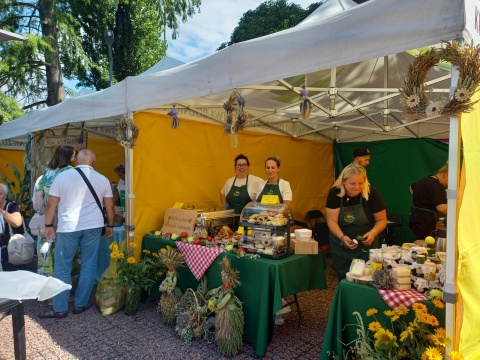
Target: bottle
x,y
441,240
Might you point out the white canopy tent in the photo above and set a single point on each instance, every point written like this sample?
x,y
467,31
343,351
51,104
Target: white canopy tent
x,y
329,54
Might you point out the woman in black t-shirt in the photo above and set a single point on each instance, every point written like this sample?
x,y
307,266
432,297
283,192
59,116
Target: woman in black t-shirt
x,y
355,215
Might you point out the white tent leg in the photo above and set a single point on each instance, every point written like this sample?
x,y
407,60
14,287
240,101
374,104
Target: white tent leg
x,y
450,291
129,222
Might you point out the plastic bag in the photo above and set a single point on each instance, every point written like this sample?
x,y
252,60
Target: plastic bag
x,y
45,257
110,296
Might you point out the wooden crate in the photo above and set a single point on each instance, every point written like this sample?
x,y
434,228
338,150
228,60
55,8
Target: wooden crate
x,y
304,247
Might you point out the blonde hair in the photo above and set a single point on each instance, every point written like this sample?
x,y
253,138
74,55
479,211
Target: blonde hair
x,y
443,169
354,169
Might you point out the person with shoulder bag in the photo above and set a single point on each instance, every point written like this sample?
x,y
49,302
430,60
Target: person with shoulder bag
x,y
62,160
11,222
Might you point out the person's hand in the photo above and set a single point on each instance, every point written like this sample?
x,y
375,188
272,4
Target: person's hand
x,y
369,238
349,243
50,234
108,233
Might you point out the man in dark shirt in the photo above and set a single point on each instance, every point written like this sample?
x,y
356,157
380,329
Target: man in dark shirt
x,y
429,202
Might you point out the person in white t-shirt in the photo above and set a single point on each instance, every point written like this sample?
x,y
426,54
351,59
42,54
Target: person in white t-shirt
x,y
80,223
239,190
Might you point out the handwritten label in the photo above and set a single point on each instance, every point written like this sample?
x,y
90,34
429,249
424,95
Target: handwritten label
x,y
178,205
270,199
78,142
179,220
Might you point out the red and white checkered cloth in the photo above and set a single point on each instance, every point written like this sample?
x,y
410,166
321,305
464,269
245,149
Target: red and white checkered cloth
x,y
395,298
198,258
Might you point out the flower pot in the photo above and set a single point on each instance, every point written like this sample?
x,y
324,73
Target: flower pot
x,y
132,302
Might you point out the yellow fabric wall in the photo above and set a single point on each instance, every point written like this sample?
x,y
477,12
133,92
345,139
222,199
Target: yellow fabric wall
x,y
468,237
109,153
191,164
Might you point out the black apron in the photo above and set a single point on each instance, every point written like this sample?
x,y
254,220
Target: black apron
x,y
271,189
354,222
238,196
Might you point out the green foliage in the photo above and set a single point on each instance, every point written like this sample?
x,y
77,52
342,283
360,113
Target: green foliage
x,y
170,10
9,108
66,38
268,18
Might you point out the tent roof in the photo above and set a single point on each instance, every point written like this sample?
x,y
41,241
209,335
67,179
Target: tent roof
x,y
7,35
353,41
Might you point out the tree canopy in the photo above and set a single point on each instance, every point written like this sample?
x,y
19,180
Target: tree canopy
x,y
268,18
66,39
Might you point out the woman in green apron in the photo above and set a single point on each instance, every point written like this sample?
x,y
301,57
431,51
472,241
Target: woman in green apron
x,y
275,185
240,189
355,215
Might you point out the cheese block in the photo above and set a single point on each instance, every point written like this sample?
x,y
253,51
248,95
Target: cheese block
x,y
400,271
401,280
401,286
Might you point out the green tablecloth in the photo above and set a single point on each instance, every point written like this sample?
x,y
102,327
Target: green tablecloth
x,y
341,327
263,284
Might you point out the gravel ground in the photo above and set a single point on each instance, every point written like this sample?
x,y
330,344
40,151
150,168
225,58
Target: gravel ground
x,y
91,336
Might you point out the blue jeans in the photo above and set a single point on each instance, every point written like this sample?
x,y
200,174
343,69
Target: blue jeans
x,y
66,246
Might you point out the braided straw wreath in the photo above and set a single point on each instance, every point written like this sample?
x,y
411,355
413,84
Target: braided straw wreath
x,y
466,59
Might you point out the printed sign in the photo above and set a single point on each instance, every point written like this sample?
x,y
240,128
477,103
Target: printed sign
x,y
270,199
179,220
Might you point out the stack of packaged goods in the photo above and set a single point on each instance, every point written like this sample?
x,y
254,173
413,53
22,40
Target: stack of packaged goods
x,y
401,278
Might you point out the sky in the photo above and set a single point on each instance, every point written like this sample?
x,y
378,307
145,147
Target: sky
x,y
202,34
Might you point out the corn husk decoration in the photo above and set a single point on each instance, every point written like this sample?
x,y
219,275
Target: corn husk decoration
x,y
170,258
236,117
192,312
175,120
305,105
229,318
127,132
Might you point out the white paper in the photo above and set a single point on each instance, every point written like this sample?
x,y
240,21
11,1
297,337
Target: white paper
x,y
22,285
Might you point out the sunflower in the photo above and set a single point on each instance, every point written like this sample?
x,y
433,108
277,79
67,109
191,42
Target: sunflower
x,y
432,354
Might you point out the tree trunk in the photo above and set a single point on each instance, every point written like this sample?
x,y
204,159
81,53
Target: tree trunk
x,y
53,71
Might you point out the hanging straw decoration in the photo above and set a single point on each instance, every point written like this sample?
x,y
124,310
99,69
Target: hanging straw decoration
x,y
236,117
305,104
416,98
174,114
125,126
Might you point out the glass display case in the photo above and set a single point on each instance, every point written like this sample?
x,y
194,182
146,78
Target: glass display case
x,y
266,230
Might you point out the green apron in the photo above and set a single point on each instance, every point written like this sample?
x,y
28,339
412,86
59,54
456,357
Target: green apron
x,y
271,189
238,196
353,221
